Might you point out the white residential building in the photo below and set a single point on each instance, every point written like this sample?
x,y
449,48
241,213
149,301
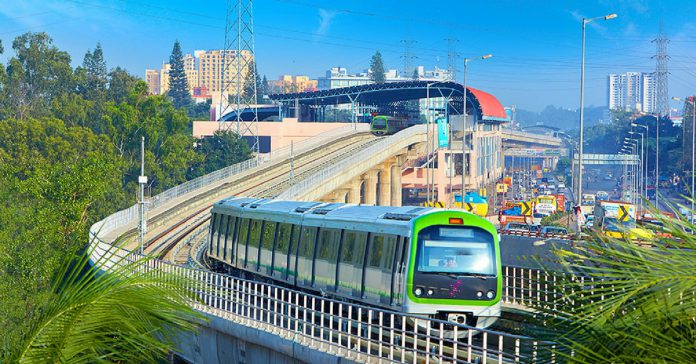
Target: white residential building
x,y
631,91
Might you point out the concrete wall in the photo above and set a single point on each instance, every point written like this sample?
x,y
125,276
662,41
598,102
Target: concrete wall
x,y
223,341
281,133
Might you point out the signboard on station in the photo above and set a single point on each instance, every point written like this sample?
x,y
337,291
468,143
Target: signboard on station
x,y
530,152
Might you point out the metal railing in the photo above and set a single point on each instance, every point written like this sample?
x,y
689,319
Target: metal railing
x,y
357,332
328,179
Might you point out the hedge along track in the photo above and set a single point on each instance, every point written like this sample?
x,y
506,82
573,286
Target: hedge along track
x,y
266,181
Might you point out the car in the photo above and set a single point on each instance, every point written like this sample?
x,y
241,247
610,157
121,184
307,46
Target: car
x,y
536,218
516,226
589,221
554,230
561,187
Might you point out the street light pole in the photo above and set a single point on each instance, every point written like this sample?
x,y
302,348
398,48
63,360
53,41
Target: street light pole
x,y
641,185
645,163
693,144
466,66
582,96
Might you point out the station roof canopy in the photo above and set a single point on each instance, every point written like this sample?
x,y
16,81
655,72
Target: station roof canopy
x,y
487,105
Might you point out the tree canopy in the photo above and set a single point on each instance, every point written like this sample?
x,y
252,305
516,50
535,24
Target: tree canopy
x,y
377,68
69,156
178,84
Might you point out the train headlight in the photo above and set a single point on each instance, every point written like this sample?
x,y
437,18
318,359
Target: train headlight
x,y
479,294
418,291
490,294
430,292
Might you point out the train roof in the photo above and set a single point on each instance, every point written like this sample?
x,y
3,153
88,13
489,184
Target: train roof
x,y
337,210
382,219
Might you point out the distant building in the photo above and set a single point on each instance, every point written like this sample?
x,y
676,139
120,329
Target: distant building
x,y
631,91
203,72
288,84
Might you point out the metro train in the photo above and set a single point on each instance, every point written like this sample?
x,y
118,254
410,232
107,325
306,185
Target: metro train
x,y
387,125
429,262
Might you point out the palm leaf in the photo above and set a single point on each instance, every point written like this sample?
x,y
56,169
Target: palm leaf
x,y
132,313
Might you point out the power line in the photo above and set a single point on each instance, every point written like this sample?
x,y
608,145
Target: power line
x,y
661,73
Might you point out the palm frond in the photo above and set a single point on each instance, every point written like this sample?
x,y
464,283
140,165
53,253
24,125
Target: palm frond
x,y
132,313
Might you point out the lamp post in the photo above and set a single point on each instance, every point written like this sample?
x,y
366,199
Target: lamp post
x,y
466,65
633,145
641,185
432,141
645,164
693,144
582,95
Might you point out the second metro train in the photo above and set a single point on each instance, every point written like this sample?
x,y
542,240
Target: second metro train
x,y
436,263
387,125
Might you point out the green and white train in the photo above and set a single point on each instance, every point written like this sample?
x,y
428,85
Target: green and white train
x,y
430,262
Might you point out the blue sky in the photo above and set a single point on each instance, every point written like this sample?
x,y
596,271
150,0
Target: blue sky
x,y
535,44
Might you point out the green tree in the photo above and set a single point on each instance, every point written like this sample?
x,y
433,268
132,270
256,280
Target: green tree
x,y
178,85
635,305
95,75
37,73
223,149
415,75
131,314
377,68
250,86
121,84
265,90
55,180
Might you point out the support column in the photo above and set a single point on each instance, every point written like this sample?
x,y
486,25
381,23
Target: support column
x,y
396,190
371,187
385,181
354,191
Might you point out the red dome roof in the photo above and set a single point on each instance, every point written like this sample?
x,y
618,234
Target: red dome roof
x,y
490,106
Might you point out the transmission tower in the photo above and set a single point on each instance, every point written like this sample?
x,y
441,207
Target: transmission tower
x,y
661,73
408,57
452,57
239,66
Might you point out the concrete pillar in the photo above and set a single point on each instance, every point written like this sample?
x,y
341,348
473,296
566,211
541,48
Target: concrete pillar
x,y
396,198
385,181
354,191
371,187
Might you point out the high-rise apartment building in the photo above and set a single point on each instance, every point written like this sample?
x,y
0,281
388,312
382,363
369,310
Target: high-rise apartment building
x,y
631,91
203,71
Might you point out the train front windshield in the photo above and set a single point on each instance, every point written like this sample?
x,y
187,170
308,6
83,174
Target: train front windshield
x,y
379,123
456,250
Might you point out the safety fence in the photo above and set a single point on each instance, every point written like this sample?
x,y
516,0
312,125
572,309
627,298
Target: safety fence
x,y
537,234
344,329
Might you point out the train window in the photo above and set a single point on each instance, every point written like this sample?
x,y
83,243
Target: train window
x,y
280,253
325,262
221,236
252,256
305,255
350,267
399,270
292,256
468,251
378,270
242,241
214,234
267,239
229,238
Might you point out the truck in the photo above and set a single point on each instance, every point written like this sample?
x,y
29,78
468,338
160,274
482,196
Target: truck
x,y
614,218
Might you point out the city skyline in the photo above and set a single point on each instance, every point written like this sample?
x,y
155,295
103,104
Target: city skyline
x,y
536,50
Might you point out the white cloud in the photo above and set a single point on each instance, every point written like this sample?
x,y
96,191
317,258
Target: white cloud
x,y
325,19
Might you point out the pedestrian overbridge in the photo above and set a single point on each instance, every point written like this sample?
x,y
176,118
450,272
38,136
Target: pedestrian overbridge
x,y
516,138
